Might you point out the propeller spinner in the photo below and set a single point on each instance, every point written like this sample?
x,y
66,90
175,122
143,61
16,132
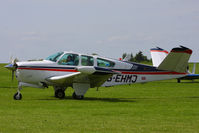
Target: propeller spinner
x,y
12,66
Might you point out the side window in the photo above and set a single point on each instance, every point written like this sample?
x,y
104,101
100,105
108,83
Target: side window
x,y
87,60
104,63
69,59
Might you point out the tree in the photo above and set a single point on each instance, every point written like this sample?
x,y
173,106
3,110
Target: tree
x,y
132,58
139,57
124,55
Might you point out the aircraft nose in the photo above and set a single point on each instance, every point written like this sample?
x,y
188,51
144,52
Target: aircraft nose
x,y
11,67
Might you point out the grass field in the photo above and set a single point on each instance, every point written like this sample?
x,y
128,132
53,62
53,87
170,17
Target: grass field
x,y
155,107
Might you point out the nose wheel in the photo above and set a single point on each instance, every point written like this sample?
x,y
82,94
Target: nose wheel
x,y
17,96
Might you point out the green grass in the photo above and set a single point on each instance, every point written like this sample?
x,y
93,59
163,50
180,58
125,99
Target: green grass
x,y
155,107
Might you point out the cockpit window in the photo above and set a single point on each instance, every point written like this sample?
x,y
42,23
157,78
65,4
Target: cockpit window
x,y
69,59
87,60
54,57
104,63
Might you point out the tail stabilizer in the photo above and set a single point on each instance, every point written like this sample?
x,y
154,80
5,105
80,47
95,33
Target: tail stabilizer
x,y
177,60
158,55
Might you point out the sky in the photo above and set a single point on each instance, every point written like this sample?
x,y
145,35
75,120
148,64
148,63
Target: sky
x,y
35,29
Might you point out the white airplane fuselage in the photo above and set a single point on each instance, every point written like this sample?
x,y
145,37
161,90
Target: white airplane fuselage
x,y
36,72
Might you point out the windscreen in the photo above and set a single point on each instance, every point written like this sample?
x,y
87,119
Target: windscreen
x,y
54,57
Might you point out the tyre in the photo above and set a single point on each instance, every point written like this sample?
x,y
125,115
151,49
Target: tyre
x,y
59,94
17,96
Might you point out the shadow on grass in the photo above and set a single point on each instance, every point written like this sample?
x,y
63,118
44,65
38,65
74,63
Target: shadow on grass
x,y
193,97
189,82
114,100
95,99
109,99
176,81
9,87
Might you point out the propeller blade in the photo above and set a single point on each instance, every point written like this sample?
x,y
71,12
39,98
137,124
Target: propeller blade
x,y
12,66
13,72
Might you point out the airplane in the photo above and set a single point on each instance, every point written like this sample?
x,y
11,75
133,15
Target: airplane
x,y
159,54
82,71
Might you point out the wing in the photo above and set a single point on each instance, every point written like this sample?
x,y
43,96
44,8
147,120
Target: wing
x,y
63,79
97,79
92,75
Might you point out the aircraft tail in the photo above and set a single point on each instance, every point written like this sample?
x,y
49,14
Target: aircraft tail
x,y
158,55
177,60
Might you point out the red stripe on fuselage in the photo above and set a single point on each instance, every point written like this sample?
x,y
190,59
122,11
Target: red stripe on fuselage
x,y
155,73
48,69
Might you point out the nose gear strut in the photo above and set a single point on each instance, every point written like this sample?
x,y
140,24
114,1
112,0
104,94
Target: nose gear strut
x,y
18,96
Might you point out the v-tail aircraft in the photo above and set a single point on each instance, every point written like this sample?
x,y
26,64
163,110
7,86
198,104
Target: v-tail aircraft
x,y
159,54
82,71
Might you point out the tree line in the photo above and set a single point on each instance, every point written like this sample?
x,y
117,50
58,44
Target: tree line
x,y
139,57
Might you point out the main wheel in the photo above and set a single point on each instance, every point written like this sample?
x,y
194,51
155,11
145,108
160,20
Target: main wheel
x,y
79,97
60,94
17,96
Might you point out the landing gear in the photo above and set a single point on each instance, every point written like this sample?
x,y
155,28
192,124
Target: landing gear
x,y
17,96
178,80
79,97
60,94
79,90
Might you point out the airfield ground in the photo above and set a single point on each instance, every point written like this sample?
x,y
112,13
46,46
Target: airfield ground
x,y
155,107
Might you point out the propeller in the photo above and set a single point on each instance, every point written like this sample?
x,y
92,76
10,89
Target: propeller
x,y
12,66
